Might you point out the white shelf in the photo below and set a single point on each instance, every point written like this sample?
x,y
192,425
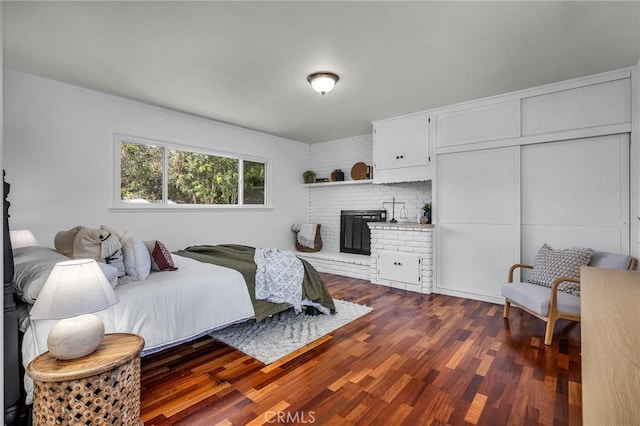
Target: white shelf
x,y
345,182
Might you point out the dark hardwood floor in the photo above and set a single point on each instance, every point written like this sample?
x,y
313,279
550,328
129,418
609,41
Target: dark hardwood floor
x,y
416,359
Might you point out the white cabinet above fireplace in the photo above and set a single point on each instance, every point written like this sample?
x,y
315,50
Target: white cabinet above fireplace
x,y
401,151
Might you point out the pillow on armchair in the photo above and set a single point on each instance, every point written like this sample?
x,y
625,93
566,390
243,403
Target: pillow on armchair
x,y
550,264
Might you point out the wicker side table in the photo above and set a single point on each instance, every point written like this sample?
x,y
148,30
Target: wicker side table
x,y
102,388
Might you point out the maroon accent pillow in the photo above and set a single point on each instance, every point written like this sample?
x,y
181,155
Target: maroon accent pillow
x,y
161,259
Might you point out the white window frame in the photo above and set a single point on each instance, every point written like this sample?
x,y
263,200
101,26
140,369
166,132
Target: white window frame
x,y
119,205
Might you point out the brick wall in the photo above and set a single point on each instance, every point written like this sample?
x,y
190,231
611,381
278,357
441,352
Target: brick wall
x,y
415,239
325,203
348,265
340,154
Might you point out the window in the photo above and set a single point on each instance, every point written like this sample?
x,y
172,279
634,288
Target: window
x,y
155,173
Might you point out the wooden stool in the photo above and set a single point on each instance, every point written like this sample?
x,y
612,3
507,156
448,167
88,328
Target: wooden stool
x,y
102,388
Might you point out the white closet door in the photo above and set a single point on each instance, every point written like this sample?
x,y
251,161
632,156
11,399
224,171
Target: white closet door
x,y
478,200
576,194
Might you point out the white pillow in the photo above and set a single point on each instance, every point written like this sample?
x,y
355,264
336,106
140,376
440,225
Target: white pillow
x,y
34,264
110,273
137,261
32,268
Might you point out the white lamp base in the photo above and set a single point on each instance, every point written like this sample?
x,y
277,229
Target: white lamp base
x,y
75,337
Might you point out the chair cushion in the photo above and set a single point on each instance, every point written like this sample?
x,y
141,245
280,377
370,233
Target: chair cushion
x,y
550,264
603,259
536,298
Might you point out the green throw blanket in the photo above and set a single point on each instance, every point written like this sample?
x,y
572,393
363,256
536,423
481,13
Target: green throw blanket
x,y
240,258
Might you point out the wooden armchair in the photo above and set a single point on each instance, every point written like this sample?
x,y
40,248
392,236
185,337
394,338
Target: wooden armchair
x,y
550,304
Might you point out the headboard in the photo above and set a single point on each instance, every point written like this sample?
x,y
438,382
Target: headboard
x,y
12,387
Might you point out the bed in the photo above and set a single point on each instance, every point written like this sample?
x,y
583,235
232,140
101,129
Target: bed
x,y
167,308
210,288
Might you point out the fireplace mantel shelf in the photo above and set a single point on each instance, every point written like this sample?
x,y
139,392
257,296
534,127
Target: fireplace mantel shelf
x,y
400,225
344,182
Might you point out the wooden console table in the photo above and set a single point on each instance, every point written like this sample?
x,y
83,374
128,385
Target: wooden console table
x,y
610,346
100,388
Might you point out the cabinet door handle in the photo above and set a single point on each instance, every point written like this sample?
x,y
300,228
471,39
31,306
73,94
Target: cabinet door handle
x,y
398,157
397,263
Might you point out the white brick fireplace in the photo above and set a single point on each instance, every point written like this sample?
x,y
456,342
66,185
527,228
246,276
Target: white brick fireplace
x,y
402,256
326,202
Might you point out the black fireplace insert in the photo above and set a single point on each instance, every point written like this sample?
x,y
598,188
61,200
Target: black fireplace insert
x,y
355,236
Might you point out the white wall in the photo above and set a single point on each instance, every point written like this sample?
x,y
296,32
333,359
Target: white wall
x,y
635,162
325,202
58,154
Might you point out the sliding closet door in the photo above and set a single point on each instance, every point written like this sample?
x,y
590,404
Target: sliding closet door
x,y
576,194
478,221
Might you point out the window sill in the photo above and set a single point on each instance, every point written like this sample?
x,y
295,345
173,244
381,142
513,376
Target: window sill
x,y
174,208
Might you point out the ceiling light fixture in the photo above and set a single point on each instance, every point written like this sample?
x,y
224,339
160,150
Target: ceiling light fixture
x,y
323,81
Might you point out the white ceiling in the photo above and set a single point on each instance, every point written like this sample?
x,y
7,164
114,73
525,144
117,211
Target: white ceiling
x,y
246,62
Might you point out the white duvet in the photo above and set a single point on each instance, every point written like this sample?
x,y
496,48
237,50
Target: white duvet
x,y
166,309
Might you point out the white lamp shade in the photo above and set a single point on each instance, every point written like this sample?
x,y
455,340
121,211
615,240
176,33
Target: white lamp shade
x,y
74,287
22,238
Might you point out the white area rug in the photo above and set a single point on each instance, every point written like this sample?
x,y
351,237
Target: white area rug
x,y
278,336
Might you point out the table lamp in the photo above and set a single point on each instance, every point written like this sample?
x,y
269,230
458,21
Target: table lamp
x,y
74,290
22,238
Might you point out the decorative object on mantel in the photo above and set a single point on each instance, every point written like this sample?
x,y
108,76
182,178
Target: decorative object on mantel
x,y
404,214
337,175
309,176
426,214
421,219
393,209
359,171
308,238
322,180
